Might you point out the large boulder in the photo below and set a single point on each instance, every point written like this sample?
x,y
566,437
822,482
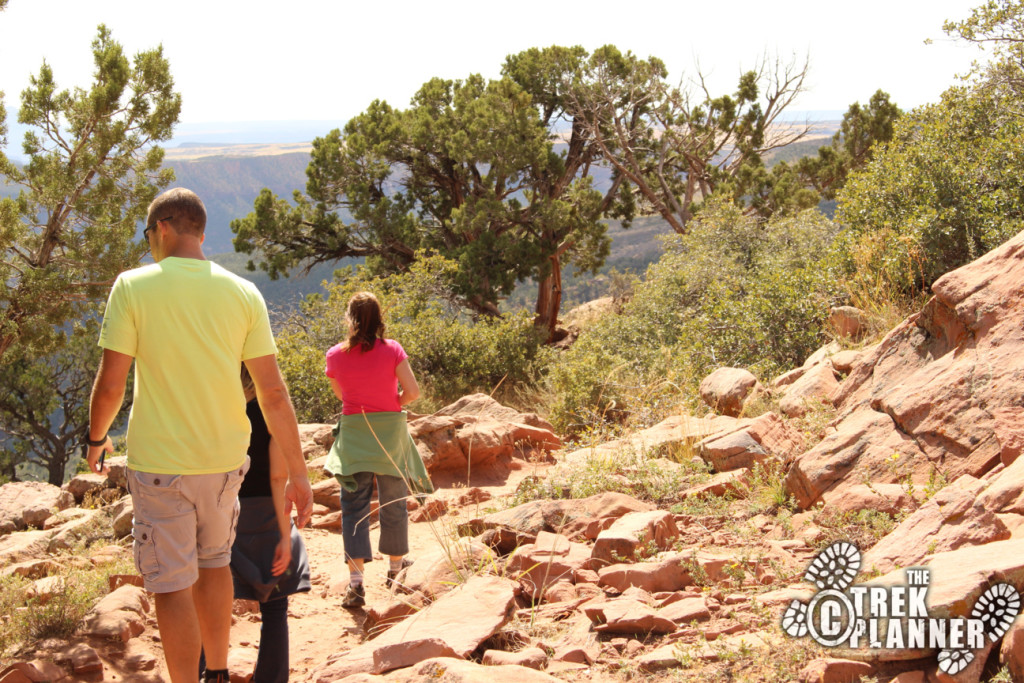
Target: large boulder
x,y
726,390
30,503
478,433
814,387
942,389
848,322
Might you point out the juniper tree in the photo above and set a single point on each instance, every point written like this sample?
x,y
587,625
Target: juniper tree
x,y
66,232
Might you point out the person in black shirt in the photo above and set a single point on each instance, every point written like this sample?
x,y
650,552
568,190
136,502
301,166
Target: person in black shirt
x,y
268,558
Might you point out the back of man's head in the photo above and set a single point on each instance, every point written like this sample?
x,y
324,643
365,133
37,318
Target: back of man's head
x,y
182,208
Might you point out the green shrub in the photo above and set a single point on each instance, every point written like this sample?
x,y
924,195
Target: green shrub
x,y
451,353
948,188
25,621
735,291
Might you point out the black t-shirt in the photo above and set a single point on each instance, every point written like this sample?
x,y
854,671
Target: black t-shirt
x,y
257,480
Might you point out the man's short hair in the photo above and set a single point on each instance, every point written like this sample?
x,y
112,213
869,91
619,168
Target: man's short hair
x,y
182,208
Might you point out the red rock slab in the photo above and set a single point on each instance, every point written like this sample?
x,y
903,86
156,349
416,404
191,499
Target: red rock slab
x,y
754,441
735,481
959,577
633,532
543,563
120,624
330,521
461,671
410,652
437,572
628,617
951,519
686,610
815,386
1011,651
860,449
660,659
671,433
887,498
557,516
462,619
833,670
327,492
531,657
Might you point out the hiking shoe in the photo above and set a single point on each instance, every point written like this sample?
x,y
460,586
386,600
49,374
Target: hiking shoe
x,y
392,575
216,677
355,596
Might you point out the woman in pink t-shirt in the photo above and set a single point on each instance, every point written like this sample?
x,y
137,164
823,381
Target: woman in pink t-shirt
x,y
365,371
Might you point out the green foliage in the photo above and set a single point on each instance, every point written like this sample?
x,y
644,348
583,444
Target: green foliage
x,y
468,170
92,170
998,26
44,413
628,469
25,621
862,130
450,354
735,291
947,189
864,528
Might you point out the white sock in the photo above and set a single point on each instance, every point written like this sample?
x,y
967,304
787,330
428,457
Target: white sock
x,y
355,578
395,565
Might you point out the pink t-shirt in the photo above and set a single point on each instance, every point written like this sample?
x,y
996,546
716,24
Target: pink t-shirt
x,y
367,379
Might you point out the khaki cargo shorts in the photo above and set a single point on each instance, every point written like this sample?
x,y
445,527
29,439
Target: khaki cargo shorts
x,y
182,523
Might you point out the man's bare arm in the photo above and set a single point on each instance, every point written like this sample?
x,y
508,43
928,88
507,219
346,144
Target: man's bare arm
x,y
105,402
280,416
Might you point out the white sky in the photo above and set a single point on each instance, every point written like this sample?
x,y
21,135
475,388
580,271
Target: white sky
x,y
302,60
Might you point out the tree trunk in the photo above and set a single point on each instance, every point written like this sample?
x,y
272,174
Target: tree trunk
x,y
55,466
549,300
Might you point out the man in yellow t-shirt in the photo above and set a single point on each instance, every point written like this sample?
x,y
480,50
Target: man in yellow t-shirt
x,y
188,325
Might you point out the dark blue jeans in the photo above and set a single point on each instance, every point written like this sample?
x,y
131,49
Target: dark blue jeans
x,y
394,517
272,660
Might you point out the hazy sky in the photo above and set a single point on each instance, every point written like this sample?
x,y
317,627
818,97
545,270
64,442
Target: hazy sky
x,y
306,60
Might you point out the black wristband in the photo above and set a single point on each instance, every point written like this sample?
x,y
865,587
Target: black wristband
x,y
98,442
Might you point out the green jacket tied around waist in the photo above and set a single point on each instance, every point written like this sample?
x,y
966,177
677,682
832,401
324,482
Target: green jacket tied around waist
x,y
378,443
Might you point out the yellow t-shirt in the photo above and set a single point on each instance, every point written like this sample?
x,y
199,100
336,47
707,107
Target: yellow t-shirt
x,y
189,324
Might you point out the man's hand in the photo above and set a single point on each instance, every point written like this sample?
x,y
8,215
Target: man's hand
x,y
93,457
300,493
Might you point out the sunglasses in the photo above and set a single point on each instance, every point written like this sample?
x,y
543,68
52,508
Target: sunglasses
x,y
145,233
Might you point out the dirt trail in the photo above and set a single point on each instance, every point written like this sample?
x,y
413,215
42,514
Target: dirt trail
x,y
318,626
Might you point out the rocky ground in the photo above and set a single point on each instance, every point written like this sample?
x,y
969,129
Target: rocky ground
x,y
695,549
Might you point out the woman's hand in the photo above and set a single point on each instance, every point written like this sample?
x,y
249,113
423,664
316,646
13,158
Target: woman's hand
x,y
282,556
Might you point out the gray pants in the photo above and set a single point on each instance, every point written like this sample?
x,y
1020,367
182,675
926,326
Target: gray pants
x,y
394,517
